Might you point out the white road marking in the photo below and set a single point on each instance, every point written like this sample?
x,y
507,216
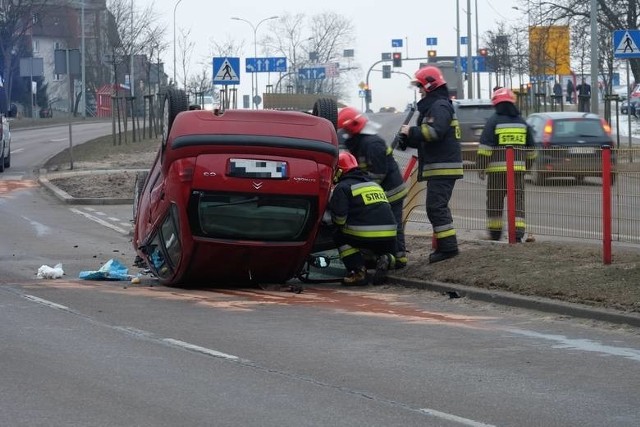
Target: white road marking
x,y
454,418
46,303
41,229
114,219
199,349
17,151
99,221
58,139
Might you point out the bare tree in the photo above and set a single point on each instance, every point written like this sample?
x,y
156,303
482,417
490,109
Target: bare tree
x,y
185,47
17,17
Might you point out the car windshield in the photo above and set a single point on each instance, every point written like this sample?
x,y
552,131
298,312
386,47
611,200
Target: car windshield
x,y
572,128
253,217
474,113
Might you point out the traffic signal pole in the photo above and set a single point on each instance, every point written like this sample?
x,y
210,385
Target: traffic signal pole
x,y
367,99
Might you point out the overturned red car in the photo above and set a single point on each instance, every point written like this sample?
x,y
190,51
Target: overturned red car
x,y
234,196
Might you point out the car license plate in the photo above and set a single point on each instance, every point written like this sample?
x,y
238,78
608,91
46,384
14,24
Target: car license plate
x,y
253,168
582,150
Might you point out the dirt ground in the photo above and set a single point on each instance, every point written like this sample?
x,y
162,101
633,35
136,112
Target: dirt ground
x,y
566,271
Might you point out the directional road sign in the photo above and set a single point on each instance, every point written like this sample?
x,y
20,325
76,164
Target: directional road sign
x,y
226,71
626,44
432,41
478,64
316,73
266,65
396,42
464,40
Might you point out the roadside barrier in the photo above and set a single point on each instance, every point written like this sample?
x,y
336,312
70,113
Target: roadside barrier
x,y
589,193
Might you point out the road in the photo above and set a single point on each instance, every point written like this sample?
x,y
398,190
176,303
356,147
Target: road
x,y
114,354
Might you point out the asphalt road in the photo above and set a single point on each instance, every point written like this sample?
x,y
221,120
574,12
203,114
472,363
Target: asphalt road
x,y
109,353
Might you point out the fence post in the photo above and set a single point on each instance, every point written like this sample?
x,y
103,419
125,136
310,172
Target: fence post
x,y
511,195
606,204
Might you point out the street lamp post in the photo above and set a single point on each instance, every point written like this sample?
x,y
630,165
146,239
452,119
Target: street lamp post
x,y
174,42
254,87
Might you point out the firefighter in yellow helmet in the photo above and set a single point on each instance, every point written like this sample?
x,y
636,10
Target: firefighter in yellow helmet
x,y
436,136
505,127
375,158
361,212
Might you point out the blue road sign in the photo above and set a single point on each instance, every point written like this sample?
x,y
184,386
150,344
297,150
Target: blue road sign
x,y
432,41
478,64
626,44
226,71
396,42
266,65
316,73
386,56
464,40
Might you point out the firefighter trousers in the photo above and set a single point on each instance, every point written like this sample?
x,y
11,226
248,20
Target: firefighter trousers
x,y
439,193
496,195
396,208
350,248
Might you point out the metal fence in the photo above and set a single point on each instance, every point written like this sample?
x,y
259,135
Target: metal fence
x,y
565,200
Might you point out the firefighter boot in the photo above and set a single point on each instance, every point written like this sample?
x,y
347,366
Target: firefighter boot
x,y
356,278
438,256
495,234
401,261
385,263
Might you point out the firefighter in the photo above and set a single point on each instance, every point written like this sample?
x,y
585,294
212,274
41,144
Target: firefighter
x,y
364,221
375,158
505,127
436,136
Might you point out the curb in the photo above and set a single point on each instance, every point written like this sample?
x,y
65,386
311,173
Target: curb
x,y
65,197
522,301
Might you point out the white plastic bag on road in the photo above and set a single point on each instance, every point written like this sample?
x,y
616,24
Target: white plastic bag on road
x,y
46,272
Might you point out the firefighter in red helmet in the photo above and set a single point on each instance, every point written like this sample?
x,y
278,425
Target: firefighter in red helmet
x,y
375,158
436,136
505,127
364,220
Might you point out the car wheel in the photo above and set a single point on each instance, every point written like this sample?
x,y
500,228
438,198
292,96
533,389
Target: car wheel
x,y
175,101
2,160
326,108
7,160
141,178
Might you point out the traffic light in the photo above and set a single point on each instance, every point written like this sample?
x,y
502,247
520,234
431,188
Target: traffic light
x,y
386,71
397,59
483,51
367,95
432,53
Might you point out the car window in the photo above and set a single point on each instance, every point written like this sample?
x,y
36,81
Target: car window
x,y
578,128
474,113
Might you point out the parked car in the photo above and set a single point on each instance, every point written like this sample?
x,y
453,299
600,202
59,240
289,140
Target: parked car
x,y
621,91
629,107
388,109
5,153
569,144
472,115
234,196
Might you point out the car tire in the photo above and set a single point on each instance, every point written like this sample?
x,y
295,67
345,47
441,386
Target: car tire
x,y
7,160
141,178
2,160
327,108
175,101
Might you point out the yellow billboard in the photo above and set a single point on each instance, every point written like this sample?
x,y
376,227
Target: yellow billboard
x,y
549,50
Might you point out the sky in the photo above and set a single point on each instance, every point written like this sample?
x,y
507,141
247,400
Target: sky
x,y
376,24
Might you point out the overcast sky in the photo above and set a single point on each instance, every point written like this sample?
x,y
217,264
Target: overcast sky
x,y
376,24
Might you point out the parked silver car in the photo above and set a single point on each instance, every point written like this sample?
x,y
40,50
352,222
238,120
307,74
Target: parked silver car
x,y
5,152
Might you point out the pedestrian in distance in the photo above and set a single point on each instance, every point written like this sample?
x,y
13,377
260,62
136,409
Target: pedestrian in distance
x,y
504,128
361,212
375,158
569,91
584,96
436,136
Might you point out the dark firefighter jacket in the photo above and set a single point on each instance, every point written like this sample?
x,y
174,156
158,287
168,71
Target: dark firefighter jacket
x,y
436,137
505,128
375,158
359,207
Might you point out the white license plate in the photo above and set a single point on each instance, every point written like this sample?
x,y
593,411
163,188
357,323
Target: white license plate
x,y
582,150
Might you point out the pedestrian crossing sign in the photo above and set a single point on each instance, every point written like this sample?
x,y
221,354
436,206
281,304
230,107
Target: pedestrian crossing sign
x,y
626,44
226,71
